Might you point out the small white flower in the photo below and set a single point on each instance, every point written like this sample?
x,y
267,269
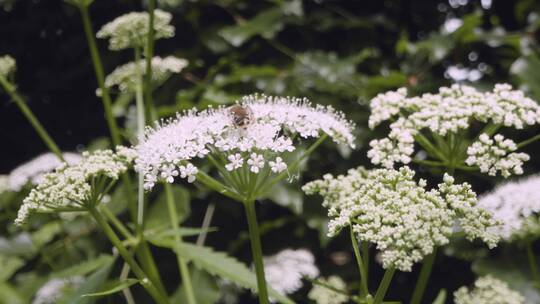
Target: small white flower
x,y
53,290
71,186
189,171
323,295
285,270
162,68
488,290
390,209
33,171
236,161
130,30
278,166
7,66
517,205
256,162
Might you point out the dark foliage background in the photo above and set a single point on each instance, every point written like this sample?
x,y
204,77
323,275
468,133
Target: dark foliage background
x,y
340,53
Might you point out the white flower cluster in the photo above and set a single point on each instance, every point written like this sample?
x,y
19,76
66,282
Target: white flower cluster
x,y
33,171
72,187
53,290
488,290
497,154
388,208
324,295
166,151
7,66
449,111
131,30
285,270
162,68
517,205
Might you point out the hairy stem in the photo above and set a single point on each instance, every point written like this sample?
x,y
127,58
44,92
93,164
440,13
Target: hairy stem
x,y
363,275
423,278
256,250
145,280
182,264
21,104
383,286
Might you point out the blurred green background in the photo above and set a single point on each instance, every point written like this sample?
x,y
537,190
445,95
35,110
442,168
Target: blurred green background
x,y
339,53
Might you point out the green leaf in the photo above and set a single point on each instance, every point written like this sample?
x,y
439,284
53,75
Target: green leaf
x,y
20,244
441,297
45,234
9,265
8,294
219,264
91,285
207,291
85,267
266,24
158,216
116,287
181,231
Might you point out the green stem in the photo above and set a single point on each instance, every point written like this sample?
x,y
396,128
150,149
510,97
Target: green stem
x,y
140,130
116,223
184,270
149,53
532,264
363,276
423,278
256,250
12,92
145,280
528,141
215,185
98,68
383,287
428,146
364,247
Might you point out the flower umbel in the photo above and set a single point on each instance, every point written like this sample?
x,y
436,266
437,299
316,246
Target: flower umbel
x,y
162,68
33,171
131,30
285,270
517,205
76,187
488,290
388,208
241,154
443,117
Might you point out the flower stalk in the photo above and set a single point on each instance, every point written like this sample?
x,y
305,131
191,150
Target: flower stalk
x,y
182,264
423,278
361,266
383,286
533,265
254,236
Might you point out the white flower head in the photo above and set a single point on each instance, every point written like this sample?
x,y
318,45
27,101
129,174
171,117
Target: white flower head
x,y
494,155
131,30
53,290
324,295
213,134
285,270
70,188
488,290
32,172
517,205
162,68
7,66
389,208
451,110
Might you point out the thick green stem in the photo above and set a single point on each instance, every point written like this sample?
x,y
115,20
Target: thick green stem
x,y
423,278
363,276
184,270
256,250
116,223
100,76
145,280
533,265
383,287
364,248
149,53
528,141
12,92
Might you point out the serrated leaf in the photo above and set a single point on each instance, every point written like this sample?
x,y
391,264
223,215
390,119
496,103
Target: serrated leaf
x,y
116,287
219,264
158,215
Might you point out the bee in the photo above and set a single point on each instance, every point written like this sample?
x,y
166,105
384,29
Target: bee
x,y
242,116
